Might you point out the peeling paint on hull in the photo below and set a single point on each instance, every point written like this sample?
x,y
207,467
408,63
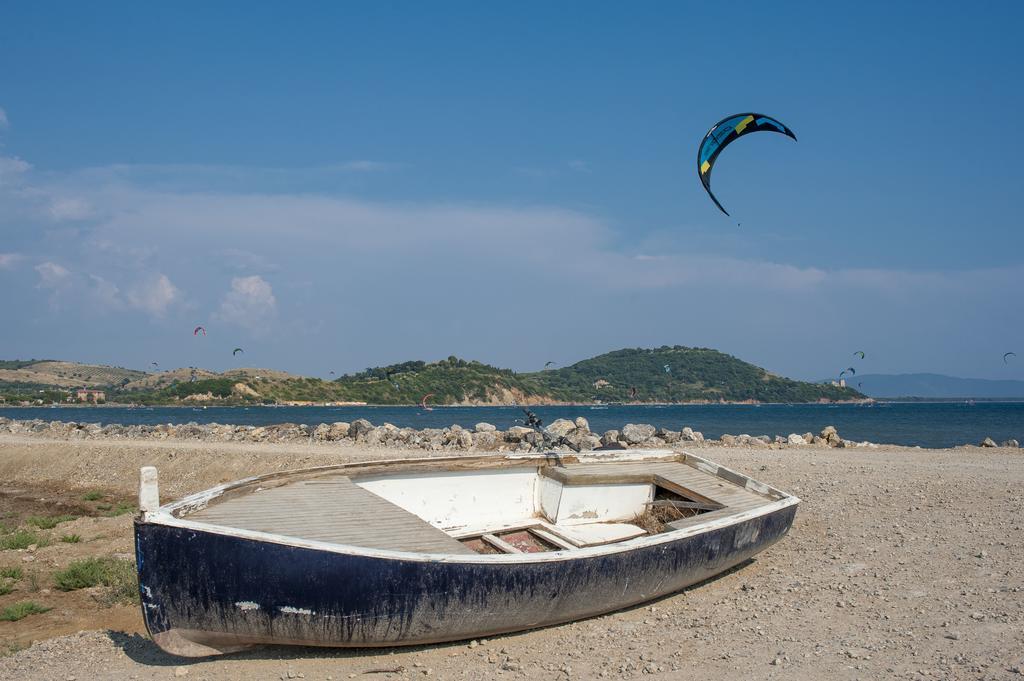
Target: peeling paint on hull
x,y
205,593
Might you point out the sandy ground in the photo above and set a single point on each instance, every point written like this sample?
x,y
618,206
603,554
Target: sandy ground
x,y
902,563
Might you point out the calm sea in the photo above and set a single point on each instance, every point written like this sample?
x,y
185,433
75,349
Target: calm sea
x,y
926,425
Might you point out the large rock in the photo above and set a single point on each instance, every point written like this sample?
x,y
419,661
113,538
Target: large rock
x,y
581,440
830,435
668,436
688,434
359,429
988,442
409,436
484,428
636,433
338,431
430,438
609,437
517,433
560,428
728,440
795,439
760,442
1013,444
371,437
388,432
582,424
486,440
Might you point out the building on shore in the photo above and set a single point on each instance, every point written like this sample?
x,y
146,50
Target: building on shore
x,y
94,396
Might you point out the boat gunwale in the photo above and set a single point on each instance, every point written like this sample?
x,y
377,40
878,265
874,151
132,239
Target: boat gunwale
x,y
165,514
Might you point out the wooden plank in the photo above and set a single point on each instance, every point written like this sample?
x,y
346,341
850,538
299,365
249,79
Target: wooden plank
x,y
598,534
552,538
334,510
499,544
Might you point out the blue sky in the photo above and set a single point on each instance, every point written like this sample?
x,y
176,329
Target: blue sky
x,y
338,185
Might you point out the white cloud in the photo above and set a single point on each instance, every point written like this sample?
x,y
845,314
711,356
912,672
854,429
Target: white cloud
x,y
579,166
154,296
52,275
478,279
12,167
104,293
4,123
250,303
9,260
69,209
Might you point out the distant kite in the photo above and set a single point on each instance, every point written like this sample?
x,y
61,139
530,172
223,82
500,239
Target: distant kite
x,y
195,332
154,364
547,364
1014,354
423,402
852,371
859,353
725,132
632,393
668,369
842,373
236,351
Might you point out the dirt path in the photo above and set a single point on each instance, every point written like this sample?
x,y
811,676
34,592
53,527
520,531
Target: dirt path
x,y
902,563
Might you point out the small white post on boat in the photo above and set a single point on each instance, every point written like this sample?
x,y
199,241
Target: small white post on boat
x,y
149,490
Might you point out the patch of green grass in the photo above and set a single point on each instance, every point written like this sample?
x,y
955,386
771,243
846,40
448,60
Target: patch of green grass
x,y
14,573
117,574
21,539
92,496
71,538
120,509
4,529
103,507
48,522
13,613
6,588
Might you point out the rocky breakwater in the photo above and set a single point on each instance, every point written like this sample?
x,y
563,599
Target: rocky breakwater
x,y
560,435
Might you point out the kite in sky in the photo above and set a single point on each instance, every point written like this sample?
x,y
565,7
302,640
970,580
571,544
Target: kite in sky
x,y
725,132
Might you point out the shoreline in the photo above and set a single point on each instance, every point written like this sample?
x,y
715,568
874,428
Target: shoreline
x,y
560,435
195,404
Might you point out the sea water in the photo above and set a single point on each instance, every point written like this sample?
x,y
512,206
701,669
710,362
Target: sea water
x,y
923,424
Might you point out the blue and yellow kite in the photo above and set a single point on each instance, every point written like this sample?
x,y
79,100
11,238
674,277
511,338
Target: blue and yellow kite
x,y
725,132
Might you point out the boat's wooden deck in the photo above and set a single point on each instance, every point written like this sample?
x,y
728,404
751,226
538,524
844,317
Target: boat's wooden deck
x,y
331,509
335,509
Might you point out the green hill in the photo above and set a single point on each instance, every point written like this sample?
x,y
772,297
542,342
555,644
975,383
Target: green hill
x,y
666,374
678,374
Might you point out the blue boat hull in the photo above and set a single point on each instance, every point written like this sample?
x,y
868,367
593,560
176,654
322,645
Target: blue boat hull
x,y
205,593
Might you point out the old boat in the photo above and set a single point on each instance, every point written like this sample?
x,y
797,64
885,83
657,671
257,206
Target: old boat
x,y
428,550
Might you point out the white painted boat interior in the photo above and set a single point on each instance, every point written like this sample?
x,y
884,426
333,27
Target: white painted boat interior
x,y
535,505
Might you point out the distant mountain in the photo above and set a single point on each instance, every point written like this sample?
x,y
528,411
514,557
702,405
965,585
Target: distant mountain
x,y
937,386
665,374
47,373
